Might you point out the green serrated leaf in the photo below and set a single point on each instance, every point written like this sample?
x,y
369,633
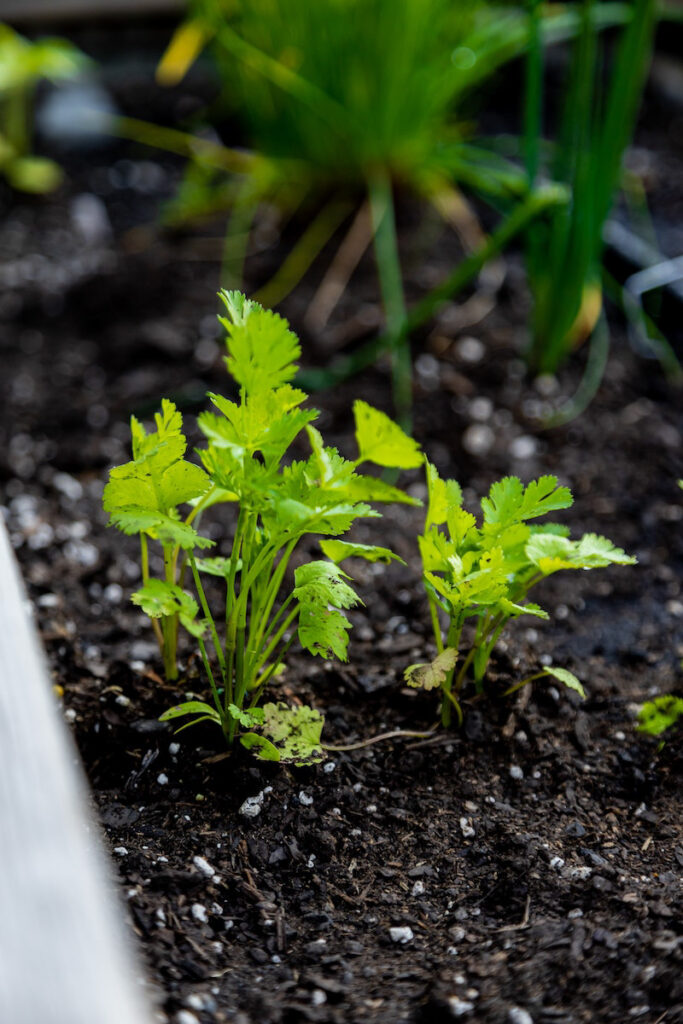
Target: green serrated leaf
x,y
382,441
443,496
159,599
322,583
157,480
217,566
262,351
551,552
567,678
338,550
514,610
320,590
160,527
434,674
509,502
247,719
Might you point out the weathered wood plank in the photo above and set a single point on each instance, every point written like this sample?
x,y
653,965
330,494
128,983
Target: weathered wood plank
x,y
64,958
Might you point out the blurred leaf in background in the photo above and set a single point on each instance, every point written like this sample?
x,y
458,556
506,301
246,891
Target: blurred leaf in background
x,y
23,64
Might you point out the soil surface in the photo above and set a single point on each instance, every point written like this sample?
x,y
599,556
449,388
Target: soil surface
x,y
526,868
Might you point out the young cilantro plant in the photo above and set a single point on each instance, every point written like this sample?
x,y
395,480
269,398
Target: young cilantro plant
x,y
485,572
278,504
656,716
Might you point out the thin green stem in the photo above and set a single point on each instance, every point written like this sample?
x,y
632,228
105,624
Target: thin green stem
x,y
266,676
169,623
436,625
261,612
212,625
144,563
268,652
391,286
518,686
214,688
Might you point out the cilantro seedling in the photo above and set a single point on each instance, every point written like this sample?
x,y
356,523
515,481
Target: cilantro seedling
x,y
484,572
657,716
278,503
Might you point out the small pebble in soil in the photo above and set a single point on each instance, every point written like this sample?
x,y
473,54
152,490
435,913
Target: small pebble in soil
x,y
253,805
459,1007
523,447
305,799
185,1017
70,715
557,863
123,701
330,766
516,772
318,997
120,851
402,934
203,865
466,828
481,409
575,913
478,439
579,874
517,1015
418,889
162,779
113,593
173,749
470,350
199,913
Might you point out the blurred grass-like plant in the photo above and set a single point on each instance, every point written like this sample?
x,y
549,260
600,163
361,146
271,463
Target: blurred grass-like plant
x,y
23,64
564,251
343,102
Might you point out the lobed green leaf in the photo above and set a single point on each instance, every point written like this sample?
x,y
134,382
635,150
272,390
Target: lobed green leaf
x,y
434,674
382,441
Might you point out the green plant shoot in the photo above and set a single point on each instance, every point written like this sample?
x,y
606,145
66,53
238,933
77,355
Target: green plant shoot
x,y
278,503
22,65
485,571
657,716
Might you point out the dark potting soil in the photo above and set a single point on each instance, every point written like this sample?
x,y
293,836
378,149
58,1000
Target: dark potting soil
x,y
526,868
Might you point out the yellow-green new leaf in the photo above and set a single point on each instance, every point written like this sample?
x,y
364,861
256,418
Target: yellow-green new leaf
x,y
444,495
567,678
262,351
382,441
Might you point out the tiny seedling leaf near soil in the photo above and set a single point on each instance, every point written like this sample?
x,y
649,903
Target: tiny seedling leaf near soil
x,y
485,572
660,714
277,502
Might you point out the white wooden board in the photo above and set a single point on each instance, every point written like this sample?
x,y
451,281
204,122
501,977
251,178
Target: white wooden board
x,y
64,956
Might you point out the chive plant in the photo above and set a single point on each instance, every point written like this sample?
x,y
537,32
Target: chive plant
x,y
600,105
279,502
484,573
346,100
